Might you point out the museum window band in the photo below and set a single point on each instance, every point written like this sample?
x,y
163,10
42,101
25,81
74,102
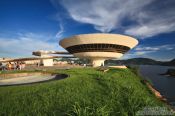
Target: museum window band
x,y
98,47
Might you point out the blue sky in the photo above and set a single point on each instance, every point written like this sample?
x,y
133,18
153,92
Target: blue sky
x,y
29,25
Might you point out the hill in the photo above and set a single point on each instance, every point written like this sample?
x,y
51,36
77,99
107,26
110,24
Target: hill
x,y
86,92
141,61
169,63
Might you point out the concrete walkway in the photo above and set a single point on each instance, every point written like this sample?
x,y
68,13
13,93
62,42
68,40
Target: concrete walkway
x,y
26,80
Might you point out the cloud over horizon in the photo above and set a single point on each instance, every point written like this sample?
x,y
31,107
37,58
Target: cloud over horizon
x,y
150,17
36,25
24,44
145,51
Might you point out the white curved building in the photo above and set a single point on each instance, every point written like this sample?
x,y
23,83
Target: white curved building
x,y
98,47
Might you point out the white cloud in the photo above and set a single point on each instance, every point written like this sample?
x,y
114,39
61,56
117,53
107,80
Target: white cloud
x,y
104,15
153,22
60,32
145,51
24,45
147,48
154,48
151,17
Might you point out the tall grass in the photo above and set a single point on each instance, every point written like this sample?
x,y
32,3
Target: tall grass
x,y
87,92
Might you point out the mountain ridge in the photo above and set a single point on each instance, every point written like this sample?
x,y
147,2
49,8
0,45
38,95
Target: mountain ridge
x,y
141,61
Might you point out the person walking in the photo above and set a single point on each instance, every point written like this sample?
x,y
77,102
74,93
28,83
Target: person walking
x,y
20,66
3,66
9,66
14,66
23,65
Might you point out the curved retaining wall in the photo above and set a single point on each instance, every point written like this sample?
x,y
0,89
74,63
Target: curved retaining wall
x,y
16,75
29,78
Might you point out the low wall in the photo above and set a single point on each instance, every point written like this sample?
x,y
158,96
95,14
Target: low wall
x,y
122,66
15,75
29,78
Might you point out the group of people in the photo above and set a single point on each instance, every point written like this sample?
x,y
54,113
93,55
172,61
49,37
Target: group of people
x,y
12,66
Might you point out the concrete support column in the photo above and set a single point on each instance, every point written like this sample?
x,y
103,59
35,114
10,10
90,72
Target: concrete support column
x,y
97,62
46,62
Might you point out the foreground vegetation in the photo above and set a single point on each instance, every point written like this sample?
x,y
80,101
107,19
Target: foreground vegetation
x,y
86,92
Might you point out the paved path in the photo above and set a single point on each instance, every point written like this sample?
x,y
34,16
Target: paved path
x,y
25,80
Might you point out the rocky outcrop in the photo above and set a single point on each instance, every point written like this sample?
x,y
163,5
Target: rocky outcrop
x,y
170,72
155,92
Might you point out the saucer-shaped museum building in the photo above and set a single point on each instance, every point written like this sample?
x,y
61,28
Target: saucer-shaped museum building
x,y
98,47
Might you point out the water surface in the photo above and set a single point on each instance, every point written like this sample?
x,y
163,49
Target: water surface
x,y
164,84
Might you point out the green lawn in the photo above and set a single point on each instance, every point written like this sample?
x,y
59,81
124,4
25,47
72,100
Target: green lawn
x,y
86,92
